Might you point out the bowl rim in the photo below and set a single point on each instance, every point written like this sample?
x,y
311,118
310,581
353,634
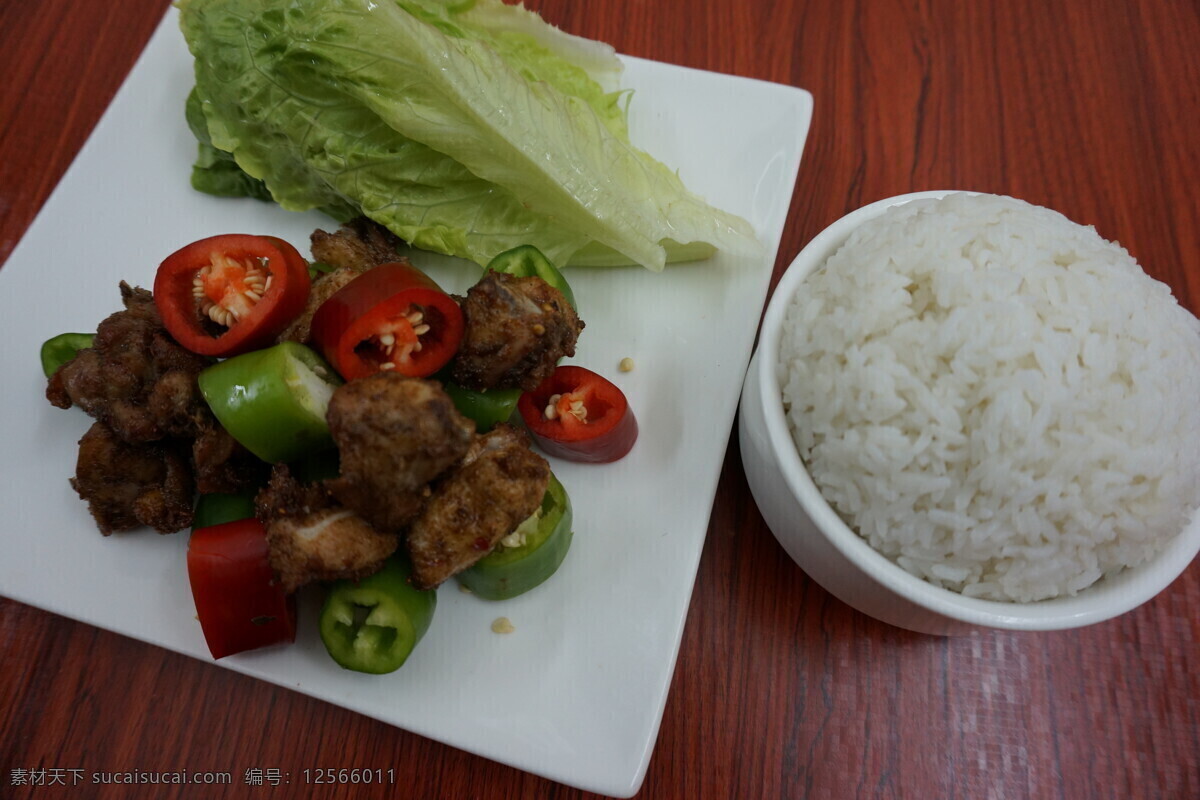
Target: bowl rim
x,y
1119,593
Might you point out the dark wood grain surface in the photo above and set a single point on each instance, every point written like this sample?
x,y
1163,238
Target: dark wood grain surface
x,y
1092,108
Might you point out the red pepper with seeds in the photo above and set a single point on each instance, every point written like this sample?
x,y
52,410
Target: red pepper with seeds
x,y
392,317
230,294
579,416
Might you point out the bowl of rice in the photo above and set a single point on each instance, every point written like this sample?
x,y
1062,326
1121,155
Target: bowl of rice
x,y
965,410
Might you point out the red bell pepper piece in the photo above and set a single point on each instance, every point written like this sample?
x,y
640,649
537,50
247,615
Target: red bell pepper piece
x,y
392,317
238,601
230,294
579,416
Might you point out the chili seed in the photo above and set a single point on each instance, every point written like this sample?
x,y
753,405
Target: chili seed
x,y
218,314
551,411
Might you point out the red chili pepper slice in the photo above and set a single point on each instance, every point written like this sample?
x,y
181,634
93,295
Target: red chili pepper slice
x,y
392,317
239,603
230,294
579,416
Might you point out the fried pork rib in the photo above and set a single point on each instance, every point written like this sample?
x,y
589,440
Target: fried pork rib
x,y
516,331
129,485
310,537
358,245
394,435
135,465
222,464
135,378
410,465
497,485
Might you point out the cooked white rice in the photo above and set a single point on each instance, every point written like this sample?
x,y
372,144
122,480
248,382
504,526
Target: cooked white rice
x,y
996,398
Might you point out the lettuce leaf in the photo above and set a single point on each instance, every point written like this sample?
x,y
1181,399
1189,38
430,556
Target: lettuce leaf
x,y
215,171
467,128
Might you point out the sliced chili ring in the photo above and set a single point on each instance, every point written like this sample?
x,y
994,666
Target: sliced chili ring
x,y
392,317
63,348
487,408
542,542
578,415
218,508
526,261
230,294
372,625
272,401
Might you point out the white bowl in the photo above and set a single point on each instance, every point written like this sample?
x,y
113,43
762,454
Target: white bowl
x,y
841,561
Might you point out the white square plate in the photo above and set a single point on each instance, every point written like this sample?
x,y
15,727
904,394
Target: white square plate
x,y
577,692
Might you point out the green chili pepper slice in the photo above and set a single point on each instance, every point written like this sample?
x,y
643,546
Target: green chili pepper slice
x,y
486,408
510,571
62,348
221,507
273,401
526,261
319,268
373,625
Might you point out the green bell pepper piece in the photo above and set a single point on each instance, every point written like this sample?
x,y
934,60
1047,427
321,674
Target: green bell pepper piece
x,y
62,348
220,507
273,401
526,261
373,625
509,571
486,408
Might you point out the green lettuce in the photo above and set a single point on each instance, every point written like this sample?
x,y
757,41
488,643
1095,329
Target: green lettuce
x,y
467,128
215,171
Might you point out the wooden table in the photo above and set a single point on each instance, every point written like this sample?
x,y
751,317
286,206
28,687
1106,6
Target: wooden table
x,y
781,691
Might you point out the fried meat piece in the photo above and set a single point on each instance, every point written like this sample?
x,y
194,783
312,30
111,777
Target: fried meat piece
x,y
310,537
358,245
499,483
127,485
135,378
516,330
394,435
224,465
135,464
